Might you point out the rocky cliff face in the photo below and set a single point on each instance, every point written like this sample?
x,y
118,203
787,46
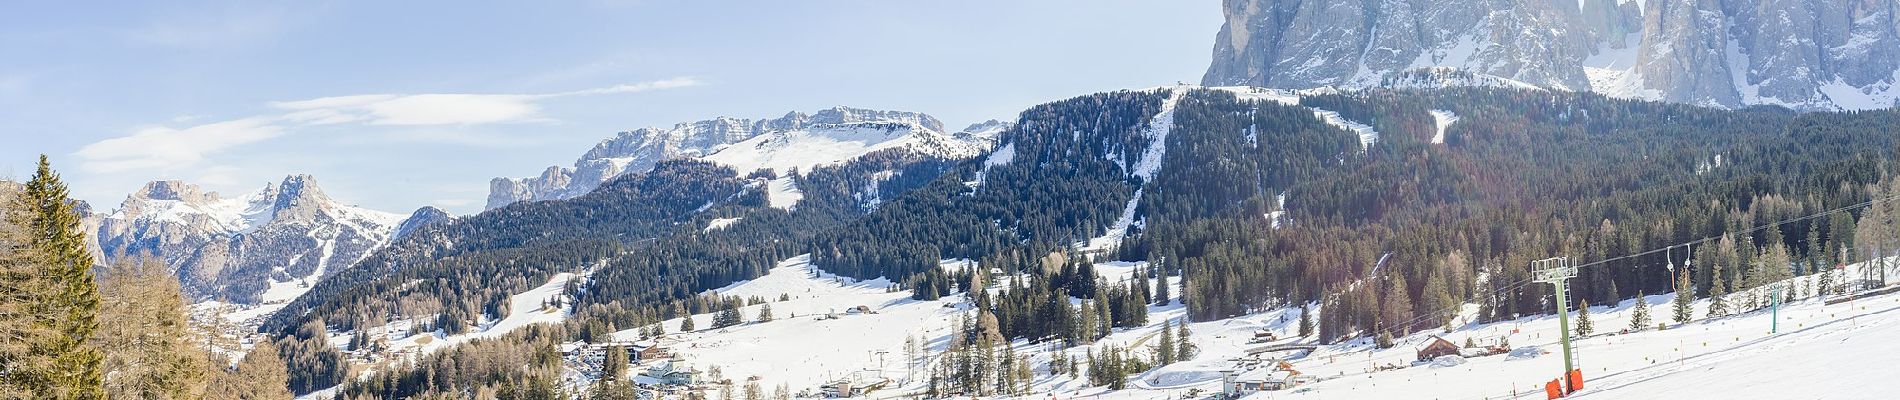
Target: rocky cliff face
x,y
794,140
1803,54
260,247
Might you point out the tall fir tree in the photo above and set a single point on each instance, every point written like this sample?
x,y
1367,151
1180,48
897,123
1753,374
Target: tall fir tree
x,y
1718,302
1584,327
728,317
1306,321
613,364
29,370
1639,314
1685,299
1184,347
71,307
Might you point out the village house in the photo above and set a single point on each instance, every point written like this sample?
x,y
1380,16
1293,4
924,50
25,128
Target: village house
x,y
1437,347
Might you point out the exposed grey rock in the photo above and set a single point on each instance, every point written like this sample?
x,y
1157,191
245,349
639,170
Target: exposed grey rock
x,y
1804,54
288,233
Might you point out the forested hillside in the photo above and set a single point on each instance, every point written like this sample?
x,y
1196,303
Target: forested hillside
x,y
1389,209
642,233
1397,233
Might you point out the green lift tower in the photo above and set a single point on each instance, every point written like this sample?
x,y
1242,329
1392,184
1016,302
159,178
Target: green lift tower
x,y
1557,272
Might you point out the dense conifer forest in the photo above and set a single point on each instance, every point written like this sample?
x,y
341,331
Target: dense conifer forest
x,y
1256,204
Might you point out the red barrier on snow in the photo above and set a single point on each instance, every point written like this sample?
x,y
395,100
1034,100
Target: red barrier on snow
x,y
1576,380
1553,389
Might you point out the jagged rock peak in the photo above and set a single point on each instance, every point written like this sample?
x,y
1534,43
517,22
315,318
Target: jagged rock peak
x,y
175,190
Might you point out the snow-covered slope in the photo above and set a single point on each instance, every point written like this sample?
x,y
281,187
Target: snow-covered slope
x,y
1824,345
804,346
794,141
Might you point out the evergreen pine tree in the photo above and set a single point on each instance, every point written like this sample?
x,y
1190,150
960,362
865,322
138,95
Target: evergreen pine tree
x,y
729,316
1396,307
1718,302
71,306
686,323
1639,316
1584,327
1164,348
1685,299
1306,321
29,370
613,365
1437,299
1824,284
1184,348
765,312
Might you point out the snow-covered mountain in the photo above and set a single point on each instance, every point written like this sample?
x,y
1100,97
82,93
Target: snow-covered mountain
x,y
1803,54
258,247
794,141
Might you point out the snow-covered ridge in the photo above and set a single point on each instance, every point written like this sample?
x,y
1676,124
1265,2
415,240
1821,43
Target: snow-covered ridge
x,y
794,141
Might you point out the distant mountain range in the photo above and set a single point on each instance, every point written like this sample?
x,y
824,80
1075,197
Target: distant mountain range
x,y
259,247
1810,55
794,141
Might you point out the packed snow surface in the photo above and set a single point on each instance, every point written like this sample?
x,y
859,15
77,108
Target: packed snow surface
x,y
1367,136
1157,133
803,346
783,193
1443,119
719,223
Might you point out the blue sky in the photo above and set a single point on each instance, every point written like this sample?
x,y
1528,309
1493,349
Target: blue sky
x,y
396,105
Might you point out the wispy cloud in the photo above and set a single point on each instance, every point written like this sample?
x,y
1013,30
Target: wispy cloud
x,y
168,148
447,108
164,147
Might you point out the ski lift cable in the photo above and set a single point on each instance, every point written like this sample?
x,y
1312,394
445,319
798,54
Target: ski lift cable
x,y
1521,283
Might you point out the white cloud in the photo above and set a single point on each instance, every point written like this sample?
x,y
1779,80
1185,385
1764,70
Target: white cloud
x,y
167,148
164,148
454,109
333,102
636,87
446,108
